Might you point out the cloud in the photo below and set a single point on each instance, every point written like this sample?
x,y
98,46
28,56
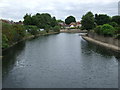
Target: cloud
x,y
16,9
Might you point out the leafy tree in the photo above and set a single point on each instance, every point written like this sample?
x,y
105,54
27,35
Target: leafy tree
x,y
88,21
27,19
53,22
102,19
70,19
116,19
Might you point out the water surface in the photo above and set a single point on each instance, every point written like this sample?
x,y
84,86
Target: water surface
x,y
59,61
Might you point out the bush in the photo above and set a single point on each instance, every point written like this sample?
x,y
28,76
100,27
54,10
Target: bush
x,y
32,29
98,30
56,29
117,30
114,24
4,41
107,30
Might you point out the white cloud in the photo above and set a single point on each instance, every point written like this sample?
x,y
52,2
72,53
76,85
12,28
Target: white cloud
x,y
16,9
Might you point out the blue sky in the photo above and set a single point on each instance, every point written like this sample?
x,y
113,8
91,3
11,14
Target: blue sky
x,y
16,9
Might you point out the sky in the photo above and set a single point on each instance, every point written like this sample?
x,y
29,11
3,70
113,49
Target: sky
x,y
61,9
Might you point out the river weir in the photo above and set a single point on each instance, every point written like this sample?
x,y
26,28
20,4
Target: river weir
x,y
62,60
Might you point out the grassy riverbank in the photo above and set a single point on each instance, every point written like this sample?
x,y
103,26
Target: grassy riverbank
x,y
29,36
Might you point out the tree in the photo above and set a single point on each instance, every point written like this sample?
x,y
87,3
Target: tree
x,y
70,19
102,19
116,19
27,19
53,22
88,21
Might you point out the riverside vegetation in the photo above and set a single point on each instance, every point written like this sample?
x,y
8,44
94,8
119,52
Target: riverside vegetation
x,y
101,24
12,33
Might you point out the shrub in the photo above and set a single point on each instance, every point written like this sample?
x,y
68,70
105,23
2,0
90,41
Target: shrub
x,y
56,29
98,30
114,24
32,29
107,30
4,41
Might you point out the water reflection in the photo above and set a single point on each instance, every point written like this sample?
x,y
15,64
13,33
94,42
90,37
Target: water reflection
x,y
90,48
10,56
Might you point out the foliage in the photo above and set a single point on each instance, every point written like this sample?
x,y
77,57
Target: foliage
x,y
116,19
56,29
40,20
107,30
114,24
13,33
98,30
88,21
47,27
4,41
102,19
27,19
32,29
70,19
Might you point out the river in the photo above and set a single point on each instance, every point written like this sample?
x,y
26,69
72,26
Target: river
x,y
59,61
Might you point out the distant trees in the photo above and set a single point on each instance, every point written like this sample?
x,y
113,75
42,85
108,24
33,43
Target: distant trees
x,y
102,19
44,21
102,24
70,19
88,21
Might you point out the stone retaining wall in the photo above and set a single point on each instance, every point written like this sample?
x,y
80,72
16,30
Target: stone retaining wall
x,y
108,40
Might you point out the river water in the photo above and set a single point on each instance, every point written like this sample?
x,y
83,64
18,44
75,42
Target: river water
x,y
59,61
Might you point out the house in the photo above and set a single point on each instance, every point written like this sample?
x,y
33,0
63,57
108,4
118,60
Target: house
x,y
78,24
72,24
7,21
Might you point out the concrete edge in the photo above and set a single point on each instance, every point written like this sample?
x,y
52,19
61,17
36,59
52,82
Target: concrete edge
x,y
113,47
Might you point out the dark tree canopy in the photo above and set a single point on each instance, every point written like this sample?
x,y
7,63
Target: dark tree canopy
x,y
102,19
40,20
88,21
70,19
116,19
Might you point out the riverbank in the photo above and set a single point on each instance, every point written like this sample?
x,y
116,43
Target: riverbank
x,y
109,46
73,31
29,37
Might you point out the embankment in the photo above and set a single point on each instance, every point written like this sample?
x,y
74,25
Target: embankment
x,y
29,37
73,31
108,42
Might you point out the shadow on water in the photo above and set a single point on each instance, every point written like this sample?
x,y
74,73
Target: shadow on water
x,y
89,48
10,55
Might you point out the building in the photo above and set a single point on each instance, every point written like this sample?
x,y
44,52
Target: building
x,y
119,8
75,24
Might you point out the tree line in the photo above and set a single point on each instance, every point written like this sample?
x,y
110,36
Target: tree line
x,y
32,25
102,24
